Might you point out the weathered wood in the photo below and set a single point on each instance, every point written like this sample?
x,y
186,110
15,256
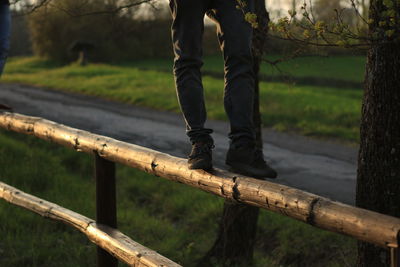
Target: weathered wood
x,y
106,204
395,257
359,223
110,239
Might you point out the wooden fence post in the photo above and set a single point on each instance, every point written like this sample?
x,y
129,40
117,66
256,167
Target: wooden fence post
x,y
106,209
395,257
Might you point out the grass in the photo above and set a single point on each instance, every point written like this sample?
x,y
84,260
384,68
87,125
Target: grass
x,y
176,220
309,110
347,68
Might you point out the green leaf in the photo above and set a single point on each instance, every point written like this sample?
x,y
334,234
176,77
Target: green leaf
x,y
292,13
389,33
388,3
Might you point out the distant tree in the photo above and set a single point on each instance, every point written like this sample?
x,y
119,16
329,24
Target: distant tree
x,y
114,26
20,39
56,25
294,4
112,6
325,9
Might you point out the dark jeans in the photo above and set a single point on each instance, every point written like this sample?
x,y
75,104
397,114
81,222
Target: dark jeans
x,y
5,21
235,38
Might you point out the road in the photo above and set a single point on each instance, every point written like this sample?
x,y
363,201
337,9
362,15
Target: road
x,y
323,168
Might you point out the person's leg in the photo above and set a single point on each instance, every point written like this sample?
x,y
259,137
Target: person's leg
x,y
187,33
235,37
5,22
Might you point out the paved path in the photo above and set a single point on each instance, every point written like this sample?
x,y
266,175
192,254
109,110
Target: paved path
x,y
322,168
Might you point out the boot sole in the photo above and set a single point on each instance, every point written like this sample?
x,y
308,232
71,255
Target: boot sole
x,y
200,166
250,171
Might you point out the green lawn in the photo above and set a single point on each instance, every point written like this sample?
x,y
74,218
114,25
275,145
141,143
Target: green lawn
x,y
178,221
316,111
347,68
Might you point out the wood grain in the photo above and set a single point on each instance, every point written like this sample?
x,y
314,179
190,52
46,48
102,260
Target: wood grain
x,y
365,225
110,239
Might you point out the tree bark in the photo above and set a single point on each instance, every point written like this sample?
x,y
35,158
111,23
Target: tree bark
x,y
234,245
378,181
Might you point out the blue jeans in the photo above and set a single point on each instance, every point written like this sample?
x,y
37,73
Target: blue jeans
x,y
235,38
5,24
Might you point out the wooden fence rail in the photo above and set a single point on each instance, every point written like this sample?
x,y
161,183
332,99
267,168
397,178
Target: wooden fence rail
x,y
365,225
110,239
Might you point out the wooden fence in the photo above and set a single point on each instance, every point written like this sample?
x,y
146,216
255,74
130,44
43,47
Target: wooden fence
x,y
365,225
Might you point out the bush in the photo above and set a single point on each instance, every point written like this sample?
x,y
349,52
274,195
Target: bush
x,y
20,39
116,36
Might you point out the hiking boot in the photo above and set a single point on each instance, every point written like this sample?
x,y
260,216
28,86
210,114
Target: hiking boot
x,y
201,156
247,160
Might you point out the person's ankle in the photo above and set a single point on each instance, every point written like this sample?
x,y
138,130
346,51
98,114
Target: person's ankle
x,y
201,155
203,139
242,142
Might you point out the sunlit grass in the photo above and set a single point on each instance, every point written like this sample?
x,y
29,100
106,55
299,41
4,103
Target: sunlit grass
x,y
347,68
309,110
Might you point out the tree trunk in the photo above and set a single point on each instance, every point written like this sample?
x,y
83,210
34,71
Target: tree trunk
x,y
259,42
293,5
364,7
82,60
378,181
234,245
